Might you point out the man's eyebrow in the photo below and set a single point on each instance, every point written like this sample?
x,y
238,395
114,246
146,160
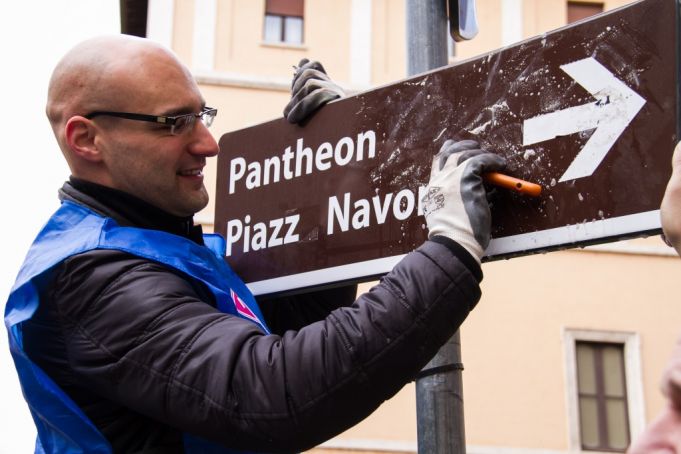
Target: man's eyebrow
x,y
182,110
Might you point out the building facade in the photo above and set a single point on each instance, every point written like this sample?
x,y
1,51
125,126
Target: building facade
x,y
565,350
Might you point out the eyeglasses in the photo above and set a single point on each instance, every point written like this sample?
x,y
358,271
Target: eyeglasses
x,y
178,123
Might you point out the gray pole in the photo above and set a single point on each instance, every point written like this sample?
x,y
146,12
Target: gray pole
x,y
439,402
439,390
426,35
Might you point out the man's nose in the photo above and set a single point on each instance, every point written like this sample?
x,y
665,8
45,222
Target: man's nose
x,y
203,143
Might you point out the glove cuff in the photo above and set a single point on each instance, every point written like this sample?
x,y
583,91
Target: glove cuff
x,y
466,241
460,253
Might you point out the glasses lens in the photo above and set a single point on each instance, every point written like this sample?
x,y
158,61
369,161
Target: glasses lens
x,y
208,116
182,124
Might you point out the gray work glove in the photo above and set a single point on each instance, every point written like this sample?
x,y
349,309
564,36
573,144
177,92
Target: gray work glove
x,y
455,204
311,88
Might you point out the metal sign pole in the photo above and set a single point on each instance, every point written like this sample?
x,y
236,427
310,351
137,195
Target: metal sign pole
x,y
439,393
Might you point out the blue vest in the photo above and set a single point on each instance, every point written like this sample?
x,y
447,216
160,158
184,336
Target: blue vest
x,y
73,229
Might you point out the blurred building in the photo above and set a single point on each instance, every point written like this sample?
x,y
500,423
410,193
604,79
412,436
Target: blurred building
x,y
565,350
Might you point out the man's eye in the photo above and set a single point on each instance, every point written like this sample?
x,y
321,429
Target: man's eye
x,y
181,124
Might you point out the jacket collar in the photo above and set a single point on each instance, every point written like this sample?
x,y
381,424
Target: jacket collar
x,y
128,210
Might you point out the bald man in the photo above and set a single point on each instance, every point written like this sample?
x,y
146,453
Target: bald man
x,y
131,334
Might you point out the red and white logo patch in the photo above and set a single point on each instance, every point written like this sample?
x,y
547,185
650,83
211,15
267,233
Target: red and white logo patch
x,y
242,309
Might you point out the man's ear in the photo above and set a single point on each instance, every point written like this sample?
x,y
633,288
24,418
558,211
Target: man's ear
x,y
80,137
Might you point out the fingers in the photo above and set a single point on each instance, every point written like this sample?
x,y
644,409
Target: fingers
x,y
464,150
670,207
311,86
295,112
661,436
310,89
486,162
673,388
671,378
481,161
307,69
305,77
310,64
314,94
451,147
491,194
676,157
302,63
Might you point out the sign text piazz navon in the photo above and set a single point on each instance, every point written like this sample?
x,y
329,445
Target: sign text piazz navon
x,y
303,161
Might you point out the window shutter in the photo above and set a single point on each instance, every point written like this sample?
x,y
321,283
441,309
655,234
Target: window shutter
x,y
578,11
285,7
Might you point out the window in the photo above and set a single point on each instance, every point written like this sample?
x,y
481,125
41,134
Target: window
x,y
604,389
284,21
580,10
601,385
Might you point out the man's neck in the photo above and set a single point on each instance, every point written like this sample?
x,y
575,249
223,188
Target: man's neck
x,y
129,210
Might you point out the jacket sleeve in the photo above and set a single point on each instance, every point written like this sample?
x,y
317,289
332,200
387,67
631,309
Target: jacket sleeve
x,y
147,340
292,312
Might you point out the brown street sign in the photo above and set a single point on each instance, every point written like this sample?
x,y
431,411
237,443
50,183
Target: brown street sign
x,y
588,111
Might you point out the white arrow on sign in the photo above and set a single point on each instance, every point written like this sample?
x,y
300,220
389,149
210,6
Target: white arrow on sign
x,y
616,105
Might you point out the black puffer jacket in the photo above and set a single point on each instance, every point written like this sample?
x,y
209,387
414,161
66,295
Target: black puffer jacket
x,y
142,350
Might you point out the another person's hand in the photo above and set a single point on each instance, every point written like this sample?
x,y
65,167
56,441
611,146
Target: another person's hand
x,y
671,378
311,88
670,209
455,204
663,434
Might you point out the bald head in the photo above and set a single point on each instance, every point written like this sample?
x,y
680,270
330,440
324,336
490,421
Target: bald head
x,y
108,73
116,75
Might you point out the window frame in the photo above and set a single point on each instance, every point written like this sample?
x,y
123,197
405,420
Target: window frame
x,y
632,373
282,19
599,394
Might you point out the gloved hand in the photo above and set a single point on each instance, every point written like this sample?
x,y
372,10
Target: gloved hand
x,y
311,88
455,204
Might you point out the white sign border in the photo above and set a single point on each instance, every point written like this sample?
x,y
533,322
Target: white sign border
x,y
568,236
